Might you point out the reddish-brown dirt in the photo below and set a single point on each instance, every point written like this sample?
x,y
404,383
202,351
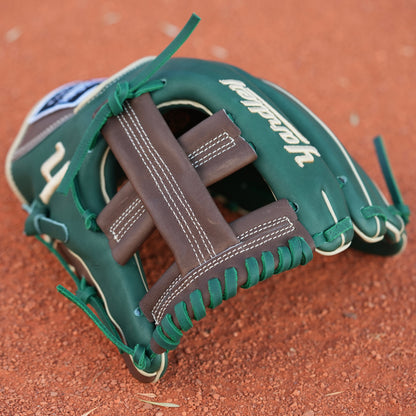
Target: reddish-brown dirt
x,y
336,337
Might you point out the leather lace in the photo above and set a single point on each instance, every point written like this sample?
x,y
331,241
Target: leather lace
x,y
124,91
168,334
87,295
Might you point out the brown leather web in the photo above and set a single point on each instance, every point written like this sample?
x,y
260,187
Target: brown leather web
x,y
214,149
166,188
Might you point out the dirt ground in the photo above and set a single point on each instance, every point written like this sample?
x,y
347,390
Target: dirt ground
x,y
336,337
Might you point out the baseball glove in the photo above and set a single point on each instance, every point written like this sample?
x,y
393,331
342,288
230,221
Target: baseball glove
x,y
99,164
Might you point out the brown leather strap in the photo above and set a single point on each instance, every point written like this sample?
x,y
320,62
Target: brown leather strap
x,y
259,231
125,222
171,190
215,150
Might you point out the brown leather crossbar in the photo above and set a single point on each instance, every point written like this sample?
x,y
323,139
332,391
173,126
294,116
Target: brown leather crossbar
x,y
166,188
262,230
171,190
215,149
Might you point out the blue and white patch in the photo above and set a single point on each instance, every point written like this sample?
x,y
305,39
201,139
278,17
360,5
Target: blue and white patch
x,y
64,97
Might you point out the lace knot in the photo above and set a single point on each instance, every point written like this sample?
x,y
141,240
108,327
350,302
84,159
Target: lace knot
x,y
140,358
85,293
116,100
90,220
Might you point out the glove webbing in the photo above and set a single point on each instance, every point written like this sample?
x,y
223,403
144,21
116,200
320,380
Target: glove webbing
x,y
215,149
203,243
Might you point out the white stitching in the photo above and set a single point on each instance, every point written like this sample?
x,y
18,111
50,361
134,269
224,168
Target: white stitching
x,y
128,224
182,283
259,228
122,120
127,211
196,163
133,219
209,144
175,187
211,155
150,148
151,169
190,277
172,182
137,201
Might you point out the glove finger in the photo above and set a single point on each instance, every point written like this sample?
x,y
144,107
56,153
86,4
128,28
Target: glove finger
x,y
374,219
395,238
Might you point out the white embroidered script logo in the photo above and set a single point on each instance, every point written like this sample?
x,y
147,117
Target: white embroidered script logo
x,y
52,182
296,143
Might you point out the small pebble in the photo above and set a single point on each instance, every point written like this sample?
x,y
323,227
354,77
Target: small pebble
x,y
354,119
13,34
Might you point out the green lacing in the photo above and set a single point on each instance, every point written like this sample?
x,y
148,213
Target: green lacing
x,y
168,335
114,105
399,207
332,233
231,280
383,212
140,358
88,216
87,295
253,272
139,353
372,211
298,253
